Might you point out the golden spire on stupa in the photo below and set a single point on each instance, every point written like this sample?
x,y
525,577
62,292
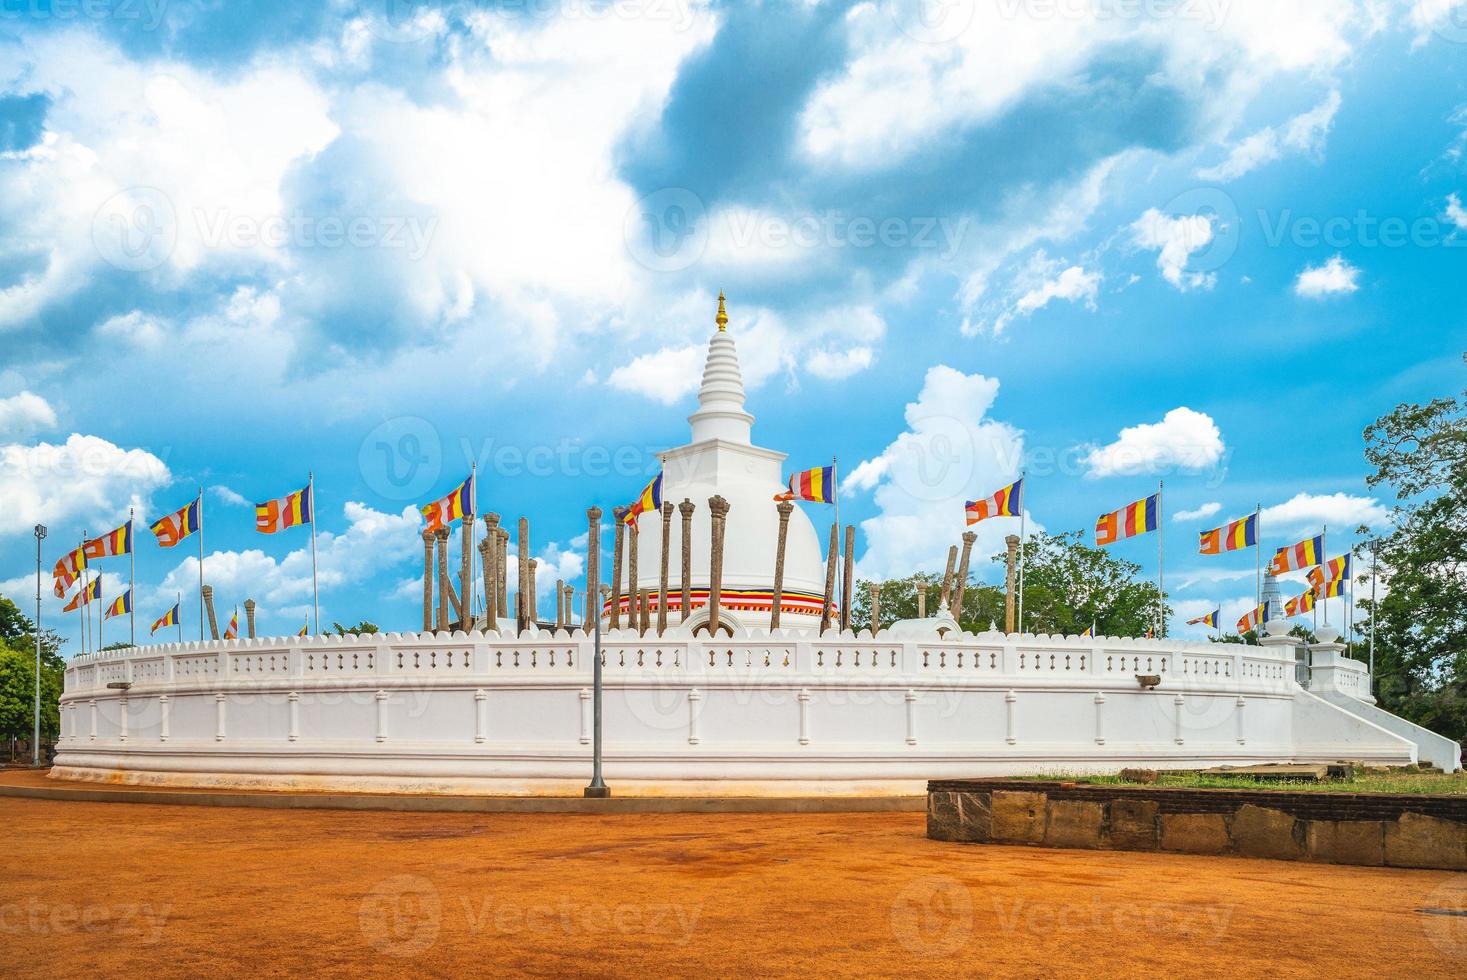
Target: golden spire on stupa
x,y
722,318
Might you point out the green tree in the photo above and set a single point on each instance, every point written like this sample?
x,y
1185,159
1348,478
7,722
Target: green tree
x,y
18,632
18,675
1421,623
982,604
360,629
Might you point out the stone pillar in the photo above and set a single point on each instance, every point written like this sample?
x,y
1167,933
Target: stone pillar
x,y
525,587
618,514
634,588
662,576
961,585
534,565
466,573
440,536
570,606
686,509
250,618
718,510
846,583
921,600
559,603
832,554
645,622
427,579
501,567
875,607
490,550
947,578
785,508
1009,595
208,591
593,565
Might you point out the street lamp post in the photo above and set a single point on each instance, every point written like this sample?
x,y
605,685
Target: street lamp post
x,y
36,731
598,788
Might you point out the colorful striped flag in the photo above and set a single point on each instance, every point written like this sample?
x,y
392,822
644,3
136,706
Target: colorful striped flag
x,y
68,569
276,515
1252,620
1129,521
180,524
231,631
1088,633
815,485
170,618
118,542
1335,570
120,606
93,590
650,499
1300,604
1332,589
458,504
1008,502
1305,554
1230,537
1209,620
305,627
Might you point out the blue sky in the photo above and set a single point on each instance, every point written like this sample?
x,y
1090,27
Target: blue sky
x,y
1205,242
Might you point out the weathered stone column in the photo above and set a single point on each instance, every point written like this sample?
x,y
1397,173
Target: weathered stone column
x,y
875,607
634,587
847,584
489,548
718,510
686,509
525,587
618,547
427,579
559,602
593,564
785,508
1008,603
208,591
501,567
832,555
466,573
662,577
646,620
961,585
250,618
921,600
534,564
440,536
947,578
570,606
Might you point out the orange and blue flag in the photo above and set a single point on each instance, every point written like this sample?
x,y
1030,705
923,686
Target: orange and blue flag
x,y
1008,502
170,618
1230,537
120,606
86,594
815,485
287,511
68,569
180,524
1252,620
1300,604
1333,589
1305,554
117,542
1334,570
457,505
1129,521
1209,620
650,499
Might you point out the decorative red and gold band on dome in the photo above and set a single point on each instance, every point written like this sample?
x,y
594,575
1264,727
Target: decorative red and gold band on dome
x,y
735,600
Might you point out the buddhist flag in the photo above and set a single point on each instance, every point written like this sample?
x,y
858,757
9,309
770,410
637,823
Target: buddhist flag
x,y
120,606
231,631
305,628
288,511
1129,521
118,542
815,485
180,524
1209,620
1088,633
650,499
1300,604
170,618
458,504
93,590
1230,537
1008,502
68,569
1332,589
1335,570
1251,620
1305,554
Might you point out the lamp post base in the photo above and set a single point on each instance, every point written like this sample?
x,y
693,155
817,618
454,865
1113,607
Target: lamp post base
x,y
598,792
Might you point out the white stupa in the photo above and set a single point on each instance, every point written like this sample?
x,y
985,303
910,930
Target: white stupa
x,y
722,459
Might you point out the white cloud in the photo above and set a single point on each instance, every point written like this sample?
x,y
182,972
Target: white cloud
x,y
950,452
1447,16
229,496
1038,283
1184,440
1305,133
834,365
1306,513
1206,510
136,329
1175,239
1333,278
85,478
667,376
1455,213
24,415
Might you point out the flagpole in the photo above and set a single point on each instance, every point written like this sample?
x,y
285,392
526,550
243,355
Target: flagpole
x,y
1257,558
178,596
1374,611
132,581
1160,562
835,499
1324,566
201,570
81,606
1350,602
473,569
99,610
315,589
1023,525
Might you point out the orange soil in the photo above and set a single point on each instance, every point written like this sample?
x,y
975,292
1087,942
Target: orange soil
x,y
147,890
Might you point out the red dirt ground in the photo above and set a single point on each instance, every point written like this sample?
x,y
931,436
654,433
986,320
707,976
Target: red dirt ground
x,y
145,890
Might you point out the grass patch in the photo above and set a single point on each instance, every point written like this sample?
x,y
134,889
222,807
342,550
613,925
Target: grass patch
x,y
1446,784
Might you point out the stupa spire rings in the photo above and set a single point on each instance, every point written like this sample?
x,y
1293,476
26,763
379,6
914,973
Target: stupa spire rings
x,y
721,413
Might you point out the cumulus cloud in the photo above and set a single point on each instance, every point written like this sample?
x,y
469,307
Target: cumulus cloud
x,y
228,496
1206,510
834,365
951,451
1040,282
1455,213
1175,239
85,478
1305,133
666,376
1333,278
24,415
1304,513
1184,440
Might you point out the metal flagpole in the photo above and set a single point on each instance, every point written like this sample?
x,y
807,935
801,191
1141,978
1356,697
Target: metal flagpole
x,y
1350,602
840,535
201,569
1324,568
132,582
99,610
598,788
1023,525
1160,563
315,590
36,735
178,602
1374,612
81,607
468,616
1257,559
